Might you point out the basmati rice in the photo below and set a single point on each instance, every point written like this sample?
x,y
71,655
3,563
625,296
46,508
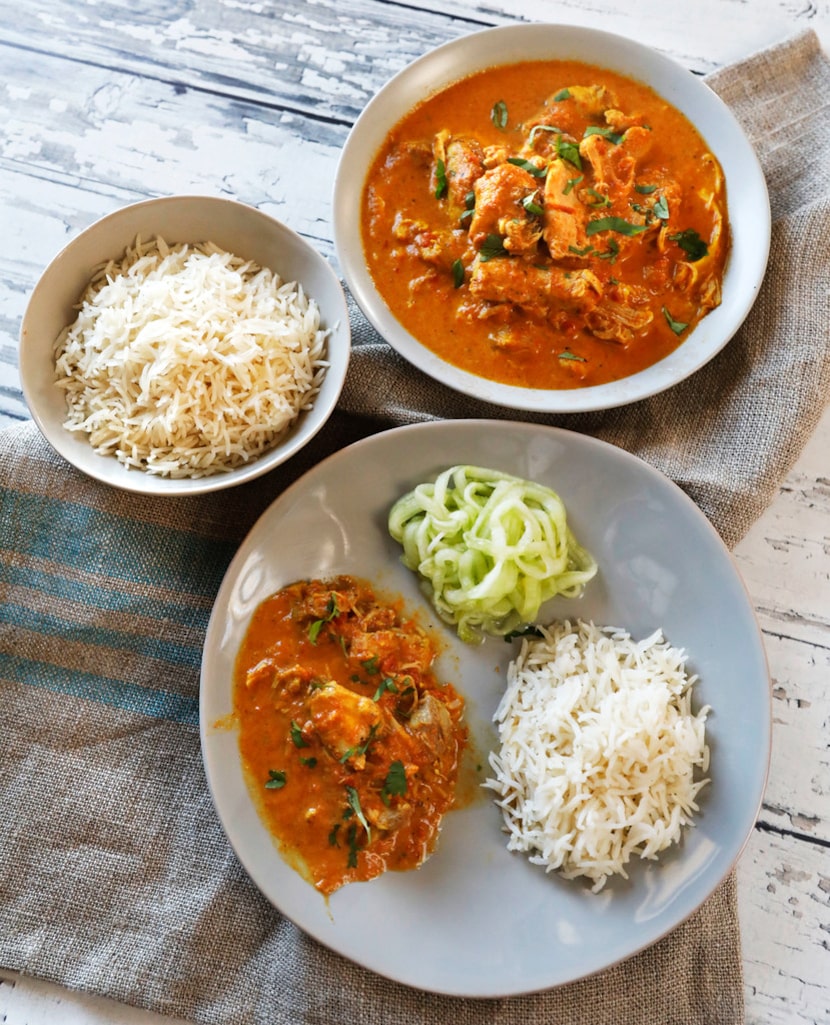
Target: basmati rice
x,y
188,361
599,749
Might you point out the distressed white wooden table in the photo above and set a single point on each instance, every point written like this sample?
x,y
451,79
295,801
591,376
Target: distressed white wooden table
x,y
106,103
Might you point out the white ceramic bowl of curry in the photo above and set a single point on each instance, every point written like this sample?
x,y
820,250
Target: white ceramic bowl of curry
x,y
551,218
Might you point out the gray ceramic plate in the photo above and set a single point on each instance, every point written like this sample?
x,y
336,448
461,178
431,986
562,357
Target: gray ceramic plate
x,y
484,922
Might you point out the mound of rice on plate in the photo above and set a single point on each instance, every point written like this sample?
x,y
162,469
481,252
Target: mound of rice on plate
x,y
601,757
188,361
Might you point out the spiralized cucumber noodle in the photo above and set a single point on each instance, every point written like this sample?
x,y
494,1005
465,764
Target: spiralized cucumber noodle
x,y
490,548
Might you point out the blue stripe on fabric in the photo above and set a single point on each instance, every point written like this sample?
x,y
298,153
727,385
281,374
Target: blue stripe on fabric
x,y
148,646
103,596
157,704
91,540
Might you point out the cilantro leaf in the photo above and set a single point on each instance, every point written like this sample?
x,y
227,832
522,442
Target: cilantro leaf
x,y
606,133
457,273
297,736
532,207
492,248
331,611
529,166
661,209
276,779
568,151
395,783
353,799
498,115
613,224
677,326
388,684
691,243
360,749
440,179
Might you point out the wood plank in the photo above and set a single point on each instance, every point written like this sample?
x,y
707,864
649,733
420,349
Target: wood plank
x,y
784,907
797,798
783,558
314,58
327,62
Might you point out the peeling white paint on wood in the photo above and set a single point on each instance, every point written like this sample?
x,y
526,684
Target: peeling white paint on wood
x,y
104,103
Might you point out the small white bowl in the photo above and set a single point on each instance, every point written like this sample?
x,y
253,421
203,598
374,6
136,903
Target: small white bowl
x,y
747,199
235,227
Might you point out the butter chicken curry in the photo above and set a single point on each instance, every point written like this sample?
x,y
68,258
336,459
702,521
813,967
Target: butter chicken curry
x,y
350,744
548,225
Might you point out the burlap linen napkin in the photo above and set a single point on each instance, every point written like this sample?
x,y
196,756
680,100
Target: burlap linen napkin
x,y
115,875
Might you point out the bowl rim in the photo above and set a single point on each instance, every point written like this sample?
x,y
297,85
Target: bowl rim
x,y
454,60
106,469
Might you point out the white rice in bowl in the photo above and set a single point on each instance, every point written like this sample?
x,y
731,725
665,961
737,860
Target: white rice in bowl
x,y
188,361
601,757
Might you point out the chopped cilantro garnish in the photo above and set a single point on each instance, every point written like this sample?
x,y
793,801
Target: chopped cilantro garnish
x,y
691,243
388,684
276,779
331,611
612,252
492,248
614,224
599,199
529,166
498,115
585,251
542,128
297,736
371,665
532,207
606,133
677,326
568,151
359,749
457,273
440,180
353,799
395,784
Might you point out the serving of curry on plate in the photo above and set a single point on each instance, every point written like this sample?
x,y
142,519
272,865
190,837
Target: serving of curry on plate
x,y
547,225
350,744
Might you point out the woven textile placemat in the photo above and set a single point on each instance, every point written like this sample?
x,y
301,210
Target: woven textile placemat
x,y
115,875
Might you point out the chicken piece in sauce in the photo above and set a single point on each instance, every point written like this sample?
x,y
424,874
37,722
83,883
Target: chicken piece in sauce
x,y
350,743
499,209
461,161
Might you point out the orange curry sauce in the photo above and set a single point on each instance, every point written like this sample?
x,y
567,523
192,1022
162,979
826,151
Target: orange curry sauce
x,y
350,744
548,225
